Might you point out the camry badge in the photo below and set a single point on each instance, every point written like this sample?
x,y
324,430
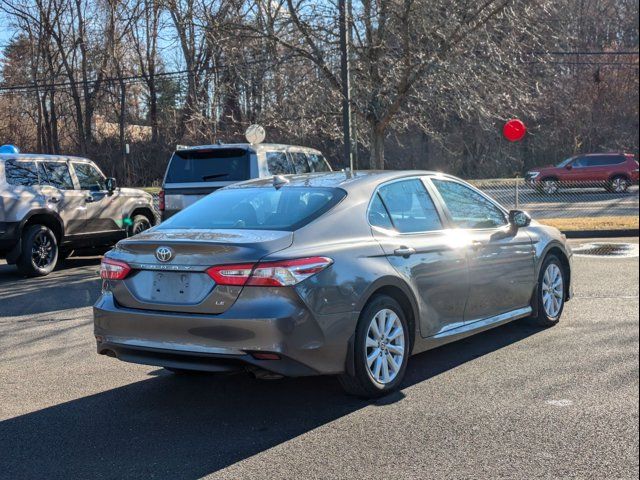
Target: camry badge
x,y
164,254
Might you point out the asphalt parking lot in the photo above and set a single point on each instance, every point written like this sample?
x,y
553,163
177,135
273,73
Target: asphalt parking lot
x,y
514,402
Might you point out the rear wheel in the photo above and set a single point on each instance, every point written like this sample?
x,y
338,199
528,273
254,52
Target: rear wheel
x,y
39,251
381,350
551,292
618,185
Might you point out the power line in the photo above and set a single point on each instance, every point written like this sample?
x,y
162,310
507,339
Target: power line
x,y
129,80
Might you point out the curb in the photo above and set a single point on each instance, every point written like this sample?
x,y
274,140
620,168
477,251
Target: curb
x,y
634,232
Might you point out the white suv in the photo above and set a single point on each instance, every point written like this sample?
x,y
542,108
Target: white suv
x,y
194,172
53,205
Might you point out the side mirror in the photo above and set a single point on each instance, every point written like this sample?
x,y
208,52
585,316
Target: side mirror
x,y
111,184
569,167
519,219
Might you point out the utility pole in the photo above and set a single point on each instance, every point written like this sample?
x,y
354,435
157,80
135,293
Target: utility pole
x,y
346,81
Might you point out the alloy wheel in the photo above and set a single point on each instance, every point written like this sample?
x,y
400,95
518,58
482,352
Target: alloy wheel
x,y
619,185
552,290
385,347
42,250
140,226
550,186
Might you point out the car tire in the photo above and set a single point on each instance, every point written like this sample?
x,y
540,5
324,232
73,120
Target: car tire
x,y
618,184
550,296
139,224
367,379
39,254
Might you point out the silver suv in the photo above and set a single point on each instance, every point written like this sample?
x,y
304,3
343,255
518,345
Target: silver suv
x,y
194,172
53,205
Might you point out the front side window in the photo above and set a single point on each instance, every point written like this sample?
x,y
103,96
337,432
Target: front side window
x,y
410,207
89,177
300,162
21,173
278,163
56,174
318,163
287,208
467,207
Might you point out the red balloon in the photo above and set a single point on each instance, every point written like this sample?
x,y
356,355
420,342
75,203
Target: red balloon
x,y
514,130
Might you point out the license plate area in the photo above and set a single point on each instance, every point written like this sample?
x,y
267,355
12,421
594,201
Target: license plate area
x,y
170,288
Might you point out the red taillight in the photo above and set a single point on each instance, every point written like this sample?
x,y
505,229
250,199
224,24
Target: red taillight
x,y
161,204
269,274
113,269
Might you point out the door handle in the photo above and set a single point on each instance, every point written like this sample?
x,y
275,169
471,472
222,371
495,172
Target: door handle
x,y
53,199
404,251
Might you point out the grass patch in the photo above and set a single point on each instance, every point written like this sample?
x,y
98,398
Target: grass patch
x,y
592,223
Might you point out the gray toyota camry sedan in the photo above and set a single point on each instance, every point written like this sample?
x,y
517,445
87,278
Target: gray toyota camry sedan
x,y
337,273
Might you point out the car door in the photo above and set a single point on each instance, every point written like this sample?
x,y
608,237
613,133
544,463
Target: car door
x,y
500,260
61,195
412,233
103,209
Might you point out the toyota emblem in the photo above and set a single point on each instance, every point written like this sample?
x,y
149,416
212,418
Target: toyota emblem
x,y
164,254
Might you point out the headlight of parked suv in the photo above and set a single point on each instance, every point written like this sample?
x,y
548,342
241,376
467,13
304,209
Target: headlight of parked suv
x,y
532,174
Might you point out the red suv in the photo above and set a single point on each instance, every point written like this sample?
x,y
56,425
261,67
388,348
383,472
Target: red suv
x,y
614,171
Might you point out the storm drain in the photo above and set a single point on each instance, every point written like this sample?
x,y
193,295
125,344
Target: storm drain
x,y
610,250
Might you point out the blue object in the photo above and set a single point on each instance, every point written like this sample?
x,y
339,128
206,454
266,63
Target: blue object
x,y
9,149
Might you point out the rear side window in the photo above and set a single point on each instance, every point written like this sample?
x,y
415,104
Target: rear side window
x,y
467,207
287,208
89,177
21,173
318,163
300,162
220,164
278,163
56,174
410,207
378,215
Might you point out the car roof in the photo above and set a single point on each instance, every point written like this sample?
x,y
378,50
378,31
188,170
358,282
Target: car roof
x,y
249,146
41,156
342,179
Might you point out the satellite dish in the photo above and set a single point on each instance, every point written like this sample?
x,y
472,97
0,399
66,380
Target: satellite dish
x,y
9,149
255,134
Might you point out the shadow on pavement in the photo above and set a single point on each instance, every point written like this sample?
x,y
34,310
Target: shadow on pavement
x,y
183,427
74,284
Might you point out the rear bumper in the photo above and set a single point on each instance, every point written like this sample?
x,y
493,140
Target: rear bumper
x,y
306,344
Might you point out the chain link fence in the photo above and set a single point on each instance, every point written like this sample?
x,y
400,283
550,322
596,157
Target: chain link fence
x,y
564,200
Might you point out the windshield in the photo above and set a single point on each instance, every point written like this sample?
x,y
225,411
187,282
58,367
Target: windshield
x,y
219,164
565,162
287,208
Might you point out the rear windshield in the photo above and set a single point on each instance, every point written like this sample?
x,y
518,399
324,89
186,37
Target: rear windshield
x,y
220,164
288,208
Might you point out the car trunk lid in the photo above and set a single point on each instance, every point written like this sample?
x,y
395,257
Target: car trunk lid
x,y
169,267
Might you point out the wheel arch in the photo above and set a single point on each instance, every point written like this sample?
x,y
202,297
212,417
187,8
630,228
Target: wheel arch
x,y
146,211
557,250
39,216
401,293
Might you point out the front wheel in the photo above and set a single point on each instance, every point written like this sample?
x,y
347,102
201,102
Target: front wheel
x,y
551,292
381,350
139,224
550,186
39,252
